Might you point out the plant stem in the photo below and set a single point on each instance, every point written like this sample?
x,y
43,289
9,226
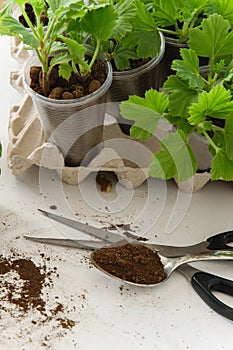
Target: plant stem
x,y
50,28
95,53
27,19
168,31
210,140
75,69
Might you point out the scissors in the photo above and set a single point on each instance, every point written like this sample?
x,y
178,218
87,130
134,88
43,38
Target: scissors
x,y
203,283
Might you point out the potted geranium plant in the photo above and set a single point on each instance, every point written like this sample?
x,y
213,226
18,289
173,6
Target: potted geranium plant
x,y
63,81
176,18
194,102
135,50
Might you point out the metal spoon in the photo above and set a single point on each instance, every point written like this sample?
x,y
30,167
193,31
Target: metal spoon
x,y
171,264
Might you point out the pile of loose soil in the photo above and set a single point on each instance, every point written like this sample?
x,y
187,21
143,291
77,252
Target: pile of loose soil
x,y
30,279
133,263
22,284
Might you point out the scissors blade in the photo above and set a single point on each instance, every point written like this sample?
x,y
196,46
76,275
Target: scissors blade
x,y
91,230
165,250
75,243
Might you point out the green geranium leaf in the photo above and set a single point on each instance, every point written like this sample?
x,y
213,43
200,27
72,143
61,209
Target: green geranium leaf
x,y
156,100
7,7
75,10
188,68
57,46
100,23
65,70
61,58
126,11
181,96
122,55
76,53
198,4
228,135
218,139
222,167
162,166
57,6
165,11
38,6
216,103
224,8
76,50
180,15
20,2
145,112
12,27
138,133
213,39
144,32
176,159
180,123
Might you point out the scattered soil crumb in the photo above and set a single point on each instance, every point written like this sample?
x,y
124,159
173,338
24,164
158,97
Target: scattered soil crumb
x,y
25,299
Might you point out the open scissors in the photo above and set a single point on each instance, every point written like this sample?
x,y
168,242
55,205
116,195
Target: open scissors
x,y
203,283
217,242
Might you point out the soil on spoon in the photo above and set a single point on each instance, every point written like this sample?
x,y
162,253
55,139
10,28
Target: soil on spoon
x,y
133,263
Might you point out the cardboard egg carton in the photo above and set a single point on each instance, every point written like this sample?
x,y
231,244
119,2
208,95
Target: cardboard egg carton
x,y
27,147
128,159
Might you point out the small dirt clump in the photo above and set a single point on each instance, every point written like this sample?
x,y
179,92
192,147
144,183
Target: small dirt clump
x,y
133,263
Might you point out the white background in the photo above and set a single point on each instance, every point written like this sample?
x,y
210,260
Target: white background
x,y
109,314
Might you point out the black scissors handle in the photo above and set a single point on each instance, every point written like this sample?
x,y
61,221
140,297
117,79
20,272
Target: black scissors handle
x,y
205,284
219,241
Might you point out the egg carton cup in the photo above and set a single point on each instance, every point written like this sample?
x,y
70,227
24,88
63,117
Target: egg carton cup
x,y
27,145
18,51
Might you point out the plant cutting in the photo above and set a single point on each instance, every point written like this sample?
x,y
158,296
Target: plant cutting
x,y
193,102
175,19
134,61
63,79
129,43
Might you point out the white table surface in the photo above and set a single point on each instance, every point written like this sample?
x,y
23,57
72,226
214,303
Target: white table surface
x,y
109,314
